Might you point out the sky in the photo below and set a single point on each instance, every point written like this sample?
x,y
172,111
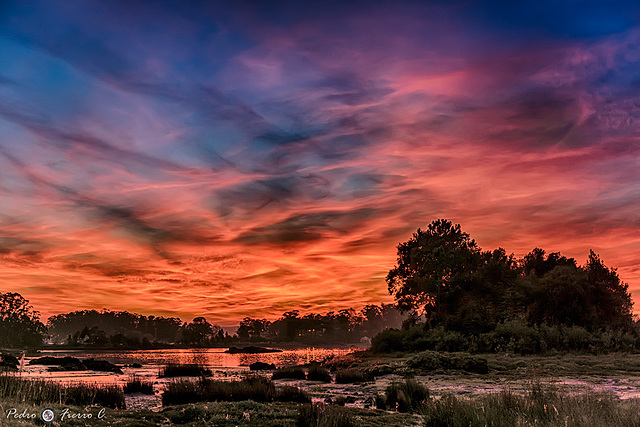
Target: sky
x,y
232,159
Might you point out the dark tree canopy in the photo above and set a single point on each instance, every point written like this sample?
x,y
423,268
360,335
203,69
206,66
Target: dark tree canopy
x,y
433,267
442,273
19,324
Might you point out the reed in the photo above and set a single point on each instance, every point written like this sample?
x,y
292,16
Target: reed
x,y
318,373
324,416
289,373
258,389
137,385
41,391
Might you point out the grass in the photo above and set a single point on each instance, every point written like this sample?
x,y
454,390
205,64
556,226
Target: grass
x,y
544,406
40,391
137,385
183,370
349,376
406,396
258,389
289,373
325,416
318,373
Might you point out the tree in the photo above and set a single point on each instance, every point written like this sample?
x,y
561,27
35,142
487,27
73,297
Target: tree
x,y
614,305
19,323
198,333
432,268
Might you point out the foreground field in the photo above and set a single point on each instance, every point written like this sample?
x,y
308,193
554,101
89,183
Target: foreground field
x,y
425,389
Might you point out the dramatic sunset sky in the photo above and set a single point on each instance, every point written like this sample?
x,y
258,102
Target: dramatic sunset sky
x,y
228,159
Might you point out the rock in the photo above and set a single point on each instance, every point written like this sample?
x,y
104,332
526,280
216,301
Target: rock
x,y
328,401
350,399
251,350
133,365
49,360
101,366
261,366
8,362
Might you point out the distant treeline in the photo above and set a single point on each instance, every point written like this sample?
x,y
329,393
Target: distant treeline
x,y
121,328
20,326
342,326
463,298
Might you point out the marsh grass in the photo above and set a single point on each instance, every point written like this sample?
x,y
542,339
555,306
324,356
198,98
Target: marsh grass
x,y
183,370
41,391
289,373
539,406
318,373
406,396
258,389
137,385
349,376
324,416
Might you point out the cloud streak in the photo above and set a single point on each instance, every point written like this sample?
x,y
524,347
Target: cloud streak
x,y
205,160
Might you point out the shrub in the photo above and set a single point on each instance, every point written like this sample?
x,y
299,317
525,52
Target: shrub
x,y
387,341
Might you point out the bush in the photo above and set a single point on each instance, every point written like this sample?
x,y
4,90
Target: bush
x,y
349,376
387,341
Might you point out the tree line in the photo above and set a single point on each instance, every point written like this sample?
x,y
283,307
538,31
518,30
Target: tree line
x,y
20,326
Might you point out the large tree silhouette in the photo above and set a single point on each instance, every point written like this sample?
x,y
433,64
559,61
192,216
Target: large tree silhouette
x,y
19,323
432,269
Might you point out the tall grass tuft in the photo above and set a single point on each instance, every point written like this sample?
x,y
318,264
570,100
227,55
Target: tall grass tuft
x,y
324,416
258,389
539,406
407,396
183,370
289,373
349,376
41,391
137,385
318,373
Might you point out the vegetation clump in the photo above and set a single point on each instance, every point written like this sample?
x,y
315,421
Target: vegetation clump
x,y
289,373
429,361
324,416
539,406
40,391
137,385
349,376
406,396
258,389
183,370
318,373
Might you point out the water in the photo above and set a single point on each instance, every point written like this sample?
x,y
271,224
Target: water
x,y
223,365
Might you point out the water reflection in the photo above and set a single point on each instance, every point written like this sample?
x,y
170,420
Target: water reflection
x,y
223,364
